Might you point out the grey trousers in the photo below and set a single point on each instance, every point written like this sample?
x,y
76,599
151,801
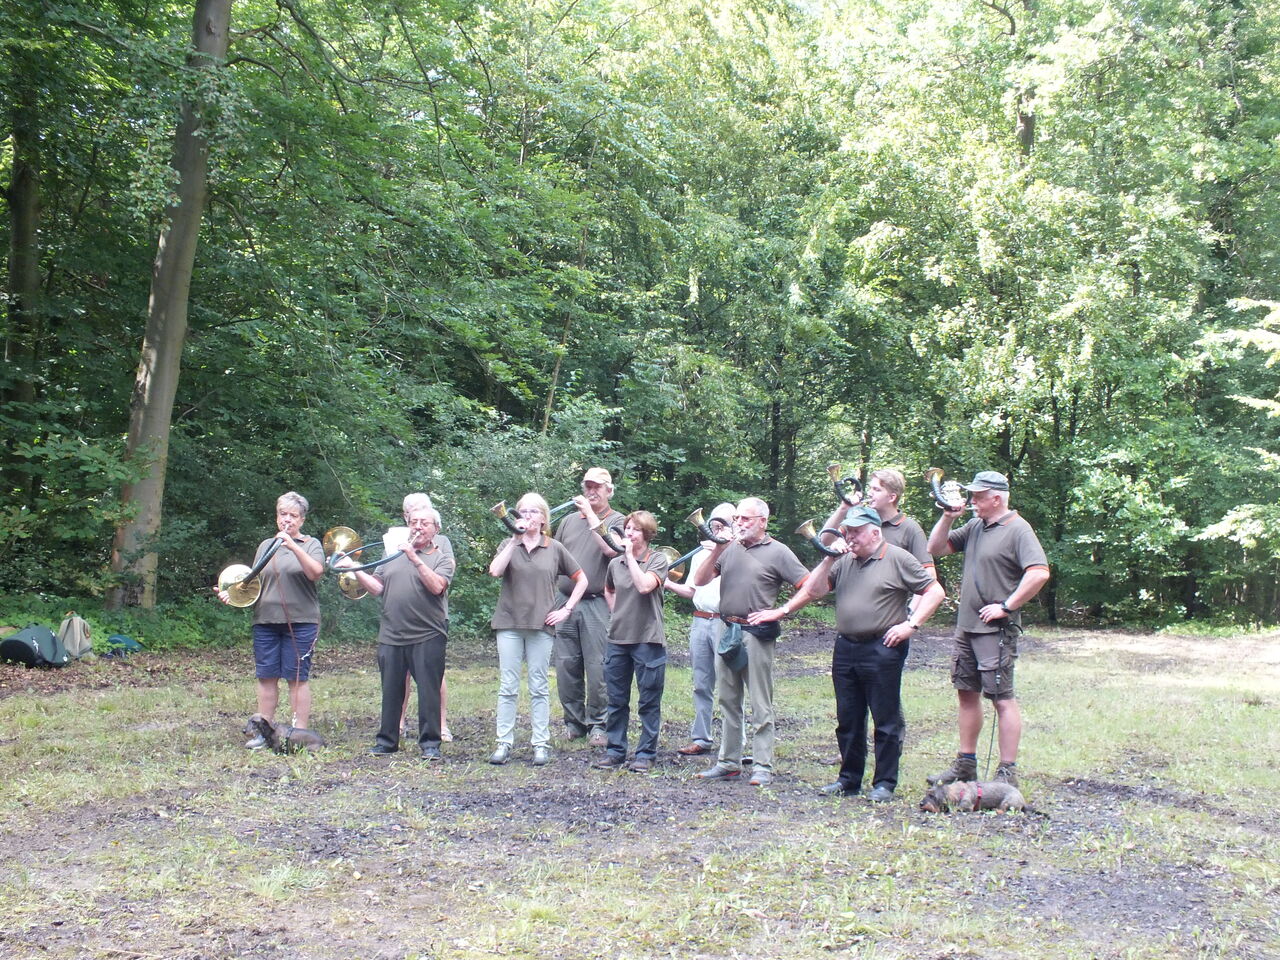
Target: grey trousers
x,y
704,634
582,640
758,675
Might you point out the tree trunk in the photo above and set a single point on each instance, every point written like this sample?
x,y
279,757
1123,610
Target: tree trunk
x,y
132,556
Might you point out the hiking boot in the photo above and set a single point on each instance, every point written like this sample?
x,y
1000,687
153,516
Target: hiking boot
x,y
1007,773
962,768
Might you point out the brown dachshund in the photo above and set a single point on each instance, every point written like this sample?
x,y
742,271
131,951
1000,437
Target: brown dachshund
x,y
280,737
965,796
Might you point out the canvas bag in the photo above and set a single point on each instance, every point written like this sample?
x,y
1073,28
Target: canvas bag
x,y
76,635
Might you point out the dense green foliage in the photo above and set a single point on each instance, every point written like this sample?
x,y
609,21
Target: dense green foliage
x,y
471,248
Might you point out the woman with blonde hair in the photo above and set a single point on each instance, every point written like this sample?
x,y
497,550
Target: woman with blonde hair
x,y
529,565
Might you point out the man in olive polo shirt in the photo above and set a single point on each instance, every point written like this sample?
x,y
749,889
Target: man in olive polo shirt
x,y
582,637
883,494
1004,567
752,569
883,595
637,643
412,630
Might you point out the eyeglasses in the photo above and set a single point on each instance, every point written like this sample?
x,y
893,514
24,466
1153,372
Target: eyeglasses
x,y
530,512
740,517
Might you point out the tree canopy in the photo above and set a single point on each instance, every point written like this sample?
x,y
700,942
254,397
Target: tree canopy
x,y
472,248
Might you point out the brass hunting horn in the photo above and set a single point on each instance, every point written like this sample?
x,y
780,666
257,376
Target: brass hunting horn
x,y
242,584
342,542
807,531
704,529
848,489
949,495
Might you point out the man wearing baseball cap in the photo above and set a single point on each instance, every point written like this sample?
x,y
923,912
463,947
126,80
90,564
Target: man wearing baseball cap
x,y
1004,568
883,494
704,634
883,595
583,637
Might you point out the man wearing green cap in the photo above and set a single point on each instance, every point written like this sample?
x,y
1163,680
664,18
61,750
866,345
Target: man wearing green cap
x,y
874,581
1004,568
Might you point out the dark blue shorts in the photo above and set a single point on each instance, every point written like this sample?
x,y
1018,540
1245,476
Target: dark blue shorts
x,y
283,650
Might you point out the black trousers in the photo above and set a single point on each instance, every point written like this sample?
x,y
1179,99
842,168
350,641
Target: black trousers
x,y
425,663
867,676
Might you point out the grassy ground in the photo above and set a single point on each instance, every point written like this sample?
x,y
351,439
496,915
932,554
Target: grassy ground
x,y
138,826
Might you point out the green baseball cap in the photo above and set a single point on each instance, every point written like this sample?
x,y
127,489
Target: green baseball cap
x,y
860,517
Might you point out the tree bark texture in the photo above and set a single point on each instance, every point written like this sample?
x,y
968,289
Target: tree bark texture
x,y
156,386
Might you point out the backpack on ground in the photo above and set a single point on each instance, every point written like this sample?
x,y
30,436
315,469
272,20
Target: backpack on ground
x,y
76,635
118,645
35,646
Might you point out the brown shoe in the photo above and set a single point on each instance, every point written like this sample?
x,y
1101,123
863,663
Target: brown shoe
x,y
693,750
641,765
598,739
962,768
1007,773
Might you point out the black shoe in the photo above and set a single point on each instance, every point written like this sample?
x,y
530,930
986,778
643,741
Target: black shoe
x,y
431,753
839,789
608,762
880,794
382,750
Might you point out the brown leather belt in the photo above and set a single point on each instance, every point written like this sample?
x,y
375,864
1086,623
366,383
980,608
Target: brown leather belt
x,y
735,619
703,615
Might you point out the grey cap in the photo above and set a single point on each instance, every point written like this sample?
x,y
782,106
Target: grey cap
x,y
988,480
860,517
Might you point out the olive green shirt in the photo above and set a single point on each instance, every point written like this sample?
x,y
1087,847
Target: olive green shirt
x,y
410,612
637,617
872,593
528,591
997,554
288,594
904,532
750,577
574,533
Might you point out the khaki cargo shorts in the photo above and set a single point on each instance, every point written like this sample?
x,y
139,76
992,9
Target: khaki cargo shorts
x,y
982,663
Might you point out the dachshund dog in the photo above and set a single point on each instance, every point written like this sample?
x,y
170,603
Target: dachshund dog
x,y
282,738
964,797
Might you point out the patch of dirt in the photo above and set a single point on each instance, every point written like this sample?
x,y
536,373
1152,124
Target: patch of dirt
x,y
409,845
